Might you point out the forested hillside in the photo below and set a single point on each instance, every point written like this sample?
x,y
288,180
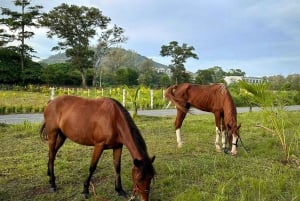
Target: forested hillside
x,y
124,54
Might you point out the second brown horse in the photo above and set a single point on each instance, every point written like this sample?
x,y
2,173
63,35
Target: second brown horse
x,y
213,98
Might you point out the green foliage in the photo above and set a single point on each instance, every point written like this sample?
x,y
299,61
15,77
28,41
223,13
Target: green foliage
x,y
194,172
275,117
32,72
61,74
126,76
258,94
210,75
10,67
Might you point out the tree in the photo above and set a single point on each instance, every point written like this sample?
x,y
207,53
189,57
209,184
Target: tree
x,y
10,68
210,75
179,56
75,26
148,76
126,76
235,72
164,80
204,77
60,74
17,22
107,39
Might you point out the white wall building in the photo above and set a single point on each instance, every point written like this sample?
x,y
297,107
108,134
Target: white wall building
x,y
232,79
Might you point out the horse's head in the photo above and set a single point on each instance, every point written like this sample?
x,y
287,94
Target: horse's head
x,y
234,130
142,175
233,136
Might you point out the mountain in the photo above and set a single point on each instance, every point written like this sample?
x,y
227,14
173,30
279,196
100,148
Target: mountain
x,y
137,58
53,59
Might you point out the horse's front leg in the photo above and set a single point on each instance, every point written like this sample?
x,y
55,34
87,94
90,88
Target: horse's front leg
x,y
98,149
117,152
178,123
234,145
218,133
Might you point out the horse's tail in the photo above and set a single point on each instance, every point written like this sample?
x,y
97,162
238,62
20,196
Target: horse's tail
x,y
178,102
43,133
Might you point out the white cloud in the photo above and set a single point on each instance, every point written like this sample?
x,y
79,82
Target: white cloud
x,y
250,35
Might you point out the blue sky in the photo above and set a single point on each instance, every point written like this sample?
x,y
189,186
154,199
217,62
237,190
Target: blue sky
x,y
260,37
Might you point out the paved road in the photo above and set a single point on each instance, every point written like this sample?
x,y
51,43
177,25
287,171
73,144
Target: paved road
x,y
37,118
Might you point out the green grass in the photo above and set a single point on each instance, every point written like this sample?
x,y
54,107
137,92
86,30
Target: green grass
x,y
194,172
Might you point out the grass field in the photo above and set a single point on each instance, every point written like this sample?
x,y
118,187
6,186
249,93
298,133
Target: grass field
x,y
194,172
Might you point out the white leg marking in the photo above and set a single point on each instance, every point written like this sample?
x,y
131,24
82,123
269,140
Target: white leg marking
x,y
234,144
178,136
218,148
223,140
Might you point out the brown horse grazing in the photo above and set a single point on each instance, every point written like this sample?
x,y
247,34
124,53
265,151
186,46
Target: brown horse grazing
x,y
210,98
105,124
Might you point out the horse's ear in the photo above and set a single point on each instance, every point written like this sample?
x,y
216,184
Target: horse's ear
x,y
137,162
152,159
239,126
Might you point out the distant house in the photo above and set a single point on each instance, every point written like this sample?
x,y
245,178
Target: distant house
x,y
232,79
254,80
163,70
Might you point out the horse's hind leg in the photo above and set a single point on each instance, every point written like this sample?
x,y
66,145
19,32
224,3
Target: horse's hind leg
x,y
56,140
117,165
98,149
178,123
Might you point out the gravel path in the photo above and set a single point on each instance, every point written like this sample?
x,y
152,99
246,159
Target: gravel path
x,y
38,118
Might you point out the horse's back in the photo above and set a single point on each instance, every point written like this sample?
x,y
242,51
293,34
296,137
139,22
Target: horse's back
x,y
82,120
209,98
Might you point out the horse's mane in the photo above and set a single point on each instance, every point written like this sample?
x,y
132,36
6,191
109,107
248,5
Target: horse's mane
x,y
137,137
138,140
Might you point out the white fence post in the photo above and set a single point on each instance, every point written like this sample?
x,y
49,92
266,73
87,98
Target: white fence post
x,y
124,97
151,98
52,93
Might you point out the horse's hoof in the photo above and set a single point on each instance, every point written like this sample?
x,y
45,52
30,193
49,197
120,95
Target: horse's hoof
x,y
122,193
53,189
225,151
85,196
219,150
179,145
233,153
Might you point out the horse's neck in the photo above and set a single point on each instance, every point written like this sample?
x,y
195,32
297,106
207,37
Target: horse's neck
x,y
132,143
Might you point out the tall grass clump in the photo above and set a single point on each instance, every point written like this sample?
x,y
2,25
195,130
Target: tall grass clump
x,y
275,119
